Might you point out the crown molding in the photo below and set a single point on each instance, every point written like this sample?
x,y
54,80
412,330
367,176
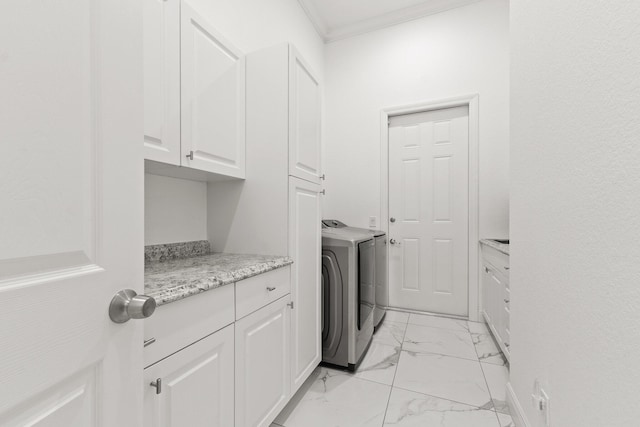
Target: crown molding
x,y
377,22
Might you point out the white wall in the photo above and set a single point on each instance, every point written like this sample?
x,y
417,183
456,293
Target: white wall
x,y
458,52
575,209
250,25
175,210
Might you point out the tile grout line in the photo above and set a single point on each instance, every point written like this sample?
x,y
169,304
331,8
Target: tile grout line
x,y
487,384
444,398
404,334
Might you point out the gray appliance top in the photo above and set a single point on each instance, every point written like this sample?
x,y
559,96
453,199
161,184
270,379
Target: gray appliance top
x,y
334,223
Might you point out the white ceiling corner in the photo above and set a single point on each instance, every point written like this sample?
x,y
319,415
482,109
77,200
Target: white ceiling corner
x,y
338,19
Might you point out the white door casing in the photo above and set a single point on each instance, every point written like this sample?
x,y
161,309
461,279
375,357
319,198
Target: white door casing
x,y
305,246
304,120
71,217
162,81
428,197
213,98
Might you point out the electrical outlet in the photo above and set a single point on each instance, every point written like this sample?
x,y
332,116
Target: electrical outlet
x,y
373,222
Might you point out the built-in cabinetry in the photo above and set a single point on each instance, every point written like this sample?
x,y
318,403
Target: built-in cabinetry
x,y
221,358
194,93
496,296
276,210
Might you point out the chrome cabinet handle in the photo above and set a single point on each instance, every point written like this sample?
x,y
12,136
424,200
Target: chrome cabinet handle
x,y
157,384
506,268
506,301
127,304
271,288
149,341
392,219
190,155
290,304
323,192
322,177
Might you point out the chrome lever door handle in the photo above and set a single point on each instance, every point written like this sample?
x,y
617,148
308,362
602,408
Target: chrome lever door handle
x,y
395,242
127,304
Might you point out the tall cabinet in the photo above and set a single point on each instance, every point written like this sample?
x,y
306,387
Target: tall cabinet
x,y
277,209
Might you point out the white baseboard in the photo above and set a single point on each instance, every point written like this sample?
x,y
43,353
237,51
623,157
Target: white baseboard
x,y
517,413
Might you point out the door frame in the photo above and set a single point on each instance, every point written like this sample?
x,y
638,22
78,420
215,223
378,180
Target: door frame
x,y
472,102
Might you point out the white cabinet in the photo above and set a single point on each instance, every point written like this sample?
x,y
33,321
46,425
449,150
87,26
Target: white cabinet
x,y
496,296
305,247
304,120
193,387
213,98
262,364
162,81
194,95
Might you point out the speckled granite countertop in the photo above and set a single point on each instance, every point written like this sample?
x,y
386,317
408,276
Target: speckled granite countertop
x,y
502,247
173,280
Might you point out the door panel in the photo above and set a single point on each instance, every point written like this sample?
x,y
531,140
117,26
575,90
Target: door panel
x,y
213,98
197,385
305,247
71,223
304,120
162,81
263,371
428,197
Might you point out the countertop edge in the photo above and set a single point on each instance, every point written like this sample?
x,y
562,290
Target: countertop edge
x,y
501,247
168,295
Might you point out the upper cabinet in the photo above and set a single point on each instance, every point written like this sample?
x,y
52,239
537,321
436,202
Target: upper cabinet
x,y
304,120
162,81
194,94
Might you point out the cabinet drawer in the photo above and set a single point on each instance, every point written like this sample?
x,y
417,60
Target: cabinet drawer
x,y
496,258
258,291
181,323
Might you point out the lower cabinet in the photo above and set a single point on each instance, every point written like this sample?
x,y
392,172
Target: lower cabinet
x,y
496,298
194,386
262,370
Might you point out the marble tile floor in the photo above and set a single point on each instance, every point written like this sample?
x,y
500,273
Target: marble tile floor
x,y
419,371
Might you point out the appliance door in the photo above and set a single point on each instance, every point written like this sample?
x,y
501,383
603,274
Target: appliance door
x,y
382,280
332,304
366,280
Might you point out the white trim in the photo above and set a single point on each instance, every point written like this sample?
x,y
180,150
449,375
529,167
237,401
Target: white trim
x,y
377,22
517,413
474,246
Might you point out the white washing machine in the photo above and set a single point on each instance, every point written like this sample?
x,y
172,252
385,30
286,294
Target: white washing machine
x,y
348,296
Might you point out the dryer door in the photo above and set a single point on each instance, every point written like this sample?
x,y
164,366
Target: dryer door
x,y
366,281
332,304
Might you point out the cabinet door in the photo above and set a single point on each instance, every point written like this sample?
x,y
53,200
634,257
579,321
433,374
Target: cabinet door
x,y
262,364
213,98
487,283
162,81
197,385
305,247
304,120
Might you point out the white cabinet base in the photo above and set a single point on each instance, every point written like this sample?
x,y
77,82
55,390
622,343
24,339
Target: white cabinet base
x,y
196,385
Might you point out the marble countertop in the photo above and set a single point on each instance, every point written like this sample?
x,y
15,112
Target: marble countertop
x,y
173,280
502,247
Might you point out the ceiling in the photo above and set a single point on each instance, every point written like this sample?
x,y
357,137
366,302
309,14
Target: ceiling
x,y
337,19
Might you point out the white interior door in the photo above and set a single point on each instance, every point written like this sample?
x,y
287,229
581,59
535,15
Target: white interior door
x,y
71,212
429,211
